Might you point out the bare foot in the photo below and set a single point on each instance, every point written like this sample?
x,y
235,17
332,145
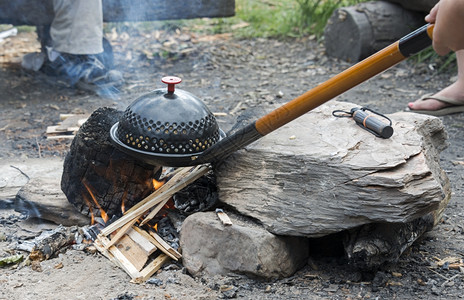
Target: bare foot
x,y
454,91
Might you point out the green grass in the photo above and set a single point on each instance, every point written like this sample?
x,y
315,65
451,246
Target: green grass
x,y
445,63
273,18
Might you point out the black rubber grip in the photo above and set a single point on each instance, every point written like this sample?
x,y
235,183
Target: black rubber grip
x,y
230,144
371,122
415,42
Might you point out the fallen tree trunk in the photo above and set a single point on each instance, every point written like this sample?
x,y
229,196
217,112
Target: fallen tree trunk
x,y
33,12
355,32
417,5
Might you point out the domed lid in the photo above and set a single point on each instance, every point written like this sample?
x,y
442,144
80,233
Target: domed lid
x,y
168,121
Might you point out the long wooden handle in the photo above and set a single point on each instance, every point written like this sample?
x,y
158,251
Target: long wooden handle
x,y
369,67
360,72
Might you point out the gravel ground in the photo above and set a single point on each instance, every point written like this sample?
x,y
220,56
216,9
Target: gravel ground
x,y
231,76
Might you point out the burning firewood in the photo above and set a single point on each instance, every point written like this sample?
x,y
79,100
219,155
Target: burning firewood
x,y
49,243
97,177
141,252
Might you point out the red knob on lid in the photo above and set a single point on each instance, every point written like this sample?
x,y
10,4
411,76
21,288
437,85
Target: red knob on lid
x,y
171,81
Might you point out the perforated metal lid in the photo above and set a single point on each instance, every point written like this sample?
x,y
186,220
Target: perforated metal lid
x,y
168,121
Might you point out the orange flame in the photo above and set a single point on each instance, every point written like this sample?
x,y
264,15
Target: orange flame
x,y
123,204
102,212
157,184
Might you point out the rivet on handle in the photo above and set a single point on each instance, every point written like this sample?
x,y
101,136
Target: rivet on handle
x,y
171,81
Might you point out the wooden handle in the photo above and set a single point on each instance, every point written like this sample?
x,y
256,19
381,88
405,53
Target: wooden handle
x,y
338,84
360,72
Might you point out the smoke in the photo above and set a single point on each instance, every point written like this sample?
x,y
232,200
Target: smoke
x,y
40,13
26,12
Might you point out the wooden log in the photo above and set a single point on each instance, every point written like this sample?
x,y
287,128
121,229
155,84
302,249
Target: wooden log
x,y
120,233
133,250
99,178
33,12
116,256
165,247
49,243
71,121
369,246
144,243
355,32
152,267
182,179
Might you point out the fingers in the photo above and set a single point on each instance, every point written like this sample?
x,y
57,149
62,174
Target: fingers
x,y
440,49
432,16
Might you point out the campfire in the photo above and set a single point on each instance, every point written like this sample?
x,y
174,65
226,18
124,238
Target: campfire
x,y
139,249
275,201
126,229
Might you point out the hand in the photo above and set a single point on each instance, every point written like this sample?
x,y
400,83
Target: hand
x,y
448,16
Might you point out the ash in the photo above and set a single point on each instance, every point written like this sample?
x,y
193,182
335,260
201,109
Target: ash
x,y
168,232
199,196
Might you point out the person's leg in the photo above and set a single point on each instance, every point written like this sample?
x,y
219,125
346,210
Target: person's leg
x,y
454,91
77,27
76,50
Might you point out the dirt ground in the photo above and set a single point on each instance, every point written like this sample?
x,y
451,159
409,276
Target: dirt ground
x,y
231,76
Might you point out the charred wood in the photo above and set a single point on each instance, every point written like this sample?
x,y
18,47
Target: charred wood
x,y
96,176
372,245
49,243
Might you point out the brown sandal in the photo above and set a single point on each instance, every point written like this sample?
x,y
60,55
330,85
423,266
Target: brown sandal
x,y
455,106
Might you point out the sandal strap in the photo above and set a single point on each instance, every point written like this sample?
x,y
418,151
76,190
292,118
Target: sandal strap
x,y
442,99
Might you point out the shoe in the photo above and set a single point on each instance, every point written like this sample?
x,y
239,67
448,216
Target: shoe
x,y
83,71
455,106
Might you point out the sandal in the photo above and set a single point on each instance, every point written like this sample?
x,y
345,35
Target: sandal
x,y
455,106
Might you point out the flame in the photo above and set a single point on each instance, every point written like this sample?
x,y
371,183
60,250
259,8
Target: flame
x,y
151,185
102,211
123,204
157,184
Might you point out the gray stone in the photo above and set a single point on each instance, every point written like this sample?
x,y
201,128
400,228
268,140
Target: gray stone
x,y
210,247
34,185
15,173
320,175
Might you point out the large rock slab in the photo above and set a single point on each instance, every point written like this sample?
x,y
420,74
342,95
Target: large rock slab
x,y
320,175
34,186
15,173
210,247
